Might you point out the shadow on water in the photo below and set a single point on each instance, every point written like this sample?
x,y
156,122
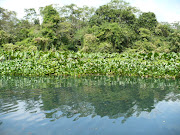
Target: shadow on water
x,y
69,97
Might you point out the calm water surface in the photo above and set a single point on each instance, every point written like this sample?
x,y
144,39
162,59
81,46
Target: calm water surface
x,y
89,106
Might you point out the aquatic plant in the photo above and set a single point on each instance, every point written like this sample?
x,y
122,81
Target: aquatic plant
x,y
39,63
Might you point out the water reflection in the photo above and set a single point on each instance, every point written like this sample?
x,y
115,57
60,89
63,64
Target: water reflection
x,y
57,97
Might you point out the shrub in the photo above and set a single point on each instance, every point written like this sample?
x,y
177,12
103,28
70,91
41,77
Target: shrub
x,y
144,46
10,46
41,43
4,37
105,47
89,43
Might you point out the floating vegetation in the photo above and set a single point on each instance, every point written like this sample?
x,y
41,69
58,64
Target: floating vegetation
x,y
39,63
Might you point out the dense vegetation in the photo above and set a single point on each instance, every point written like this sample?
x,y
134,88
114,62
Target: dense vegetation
x,y
115,39
113,27
41,63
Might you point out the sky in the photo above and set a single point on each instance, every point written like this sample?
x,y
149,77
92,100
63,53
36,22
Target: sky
x,y
165,10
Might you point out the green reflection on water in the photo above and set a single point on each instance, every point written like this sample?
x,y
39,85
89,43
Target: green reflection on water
x,y
113,97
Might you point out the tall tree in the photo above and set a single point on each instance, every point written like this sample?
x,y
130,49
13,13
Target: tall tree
x,y
148,20
120,36
176,25
4,37
31,15
116,11
77,16
163,29
8,20
50,25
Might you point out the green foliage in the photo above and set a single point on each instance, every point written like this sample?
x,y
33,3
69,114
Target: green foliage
x,y
161,46
4,37
113,27
22,30
79,35
176,26
89,43
116,11
105,47
148,20
120,36
26,42
8,47
50,15
163,30
151,43
41,43
66,31
8,20
50,25
77,16
175,41
38,63
31,16
145,34
144,46
19,47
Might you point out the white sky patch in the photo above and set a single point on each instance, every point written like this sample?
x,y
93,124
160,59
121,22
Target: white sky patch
x,y
90,3
146,5
20,5
165,10
169,17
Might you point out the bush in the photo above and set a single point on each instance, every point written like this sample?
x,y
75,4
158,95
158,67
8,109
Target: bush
x,y
26,42
4,37
41,43
175,41
105,47
145,34
89,43
10,46
32,48
144,46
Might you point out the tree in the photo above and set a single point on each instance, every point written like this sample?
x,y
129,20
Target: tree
x,y
120,36
22,30
8,21
176,26
116,11
4,37
148,20
175,41
66,33
175,37
163,29
50,25
31,16
75,15
145,34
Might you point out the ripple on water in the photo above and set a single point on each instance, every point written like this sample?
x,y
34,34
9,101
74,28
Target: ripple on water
x,y
19,112
96,109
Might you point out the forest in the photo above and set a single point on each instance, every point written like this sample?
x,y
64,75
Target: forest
x,y
114,39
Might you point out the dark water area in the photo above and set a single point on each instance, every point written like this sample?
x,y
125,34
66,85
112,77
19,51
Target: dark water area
x,y
94,105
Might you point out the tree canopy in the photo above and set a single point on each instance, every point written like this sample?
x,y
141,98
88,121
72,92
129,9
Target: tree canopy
x,y
115,26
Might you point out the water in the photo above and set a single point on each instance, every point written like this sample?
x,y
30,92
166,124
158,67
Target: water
x,y
89,106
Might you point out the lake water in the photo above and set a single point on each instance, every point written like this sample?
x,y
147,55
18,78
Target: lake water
x,y
94,105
